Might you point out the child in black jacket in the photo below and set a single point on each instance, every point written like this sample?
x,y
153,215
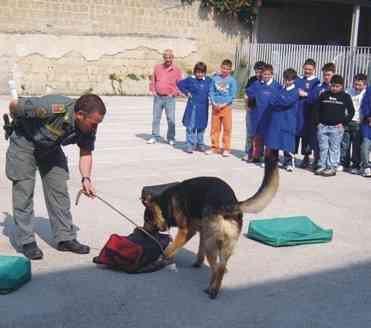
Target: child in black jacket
x,y
332,111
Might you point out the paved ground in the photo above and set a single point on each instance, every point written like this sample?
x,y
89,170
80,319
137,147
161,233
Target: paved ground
x,y
316,286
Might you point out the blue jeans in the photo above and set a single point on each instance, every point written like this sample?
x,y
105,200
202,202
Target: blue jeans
x,y
365,152
159,104
194,136
329,140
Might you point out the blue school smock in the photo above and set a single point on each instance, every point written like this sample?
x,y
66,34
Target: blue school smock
x,y
280,130
261,93
366,113
316,92
303,119
199,101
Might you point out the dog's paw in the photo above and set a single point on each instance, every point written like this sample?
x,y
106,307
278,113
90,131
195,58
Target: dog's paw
x,y
166,260
213,293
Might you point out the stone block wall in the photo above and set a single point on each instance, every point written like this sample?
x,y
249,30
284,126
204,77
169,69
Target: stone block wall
x,y
72,46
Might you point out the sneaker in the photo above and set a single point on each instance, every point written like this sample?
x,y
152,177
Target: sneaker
x,y
354,170
340,168
201,148
289,168
226,153
151,141
171,142
329,173
189,150
215,151
246,158
32,251
316,167
304,163
319,171
367,173
73,246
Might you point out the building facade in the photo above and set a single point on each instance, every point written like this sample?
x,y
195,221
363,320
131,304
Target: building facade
x,y
104,46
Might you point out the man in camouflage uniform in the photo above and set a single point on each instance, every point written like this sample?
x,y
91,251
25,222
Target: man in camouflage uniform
x,y
41,127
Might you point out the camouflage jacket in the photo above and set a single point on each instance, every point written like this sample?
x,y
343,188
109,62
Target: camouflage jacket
x,y
49,121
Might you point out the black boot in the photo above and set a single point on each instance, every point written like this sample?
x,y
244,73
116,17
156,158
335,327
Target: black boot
x,y
73,246
32,251
305,162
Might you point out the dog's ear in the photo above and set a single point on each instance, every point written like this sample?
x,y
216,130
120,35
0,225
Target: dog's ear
x,y
146,200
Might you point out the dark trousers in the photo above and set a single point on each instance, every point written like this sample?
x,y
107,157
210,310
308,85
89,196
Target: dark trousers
x,y
351,145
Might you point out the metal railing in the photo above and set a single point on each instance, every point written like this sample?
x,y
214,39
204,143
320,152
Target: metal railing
x,y
348,60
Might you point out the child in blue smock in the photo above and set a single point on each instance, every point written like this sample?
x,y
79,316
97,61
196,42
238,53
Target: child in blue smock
x,y
280,130
195,117
366,133
259,96
305,85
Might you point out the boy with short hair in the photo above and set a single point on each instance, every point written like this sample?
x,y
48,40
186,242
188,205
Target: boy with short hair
x,y
304,118
332,111
222,92
366,133
328,71
280,130
352,131
258,68
260,95
195,117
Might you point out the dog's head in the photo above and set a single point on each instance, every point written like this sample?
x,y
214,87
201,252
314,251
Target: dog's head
x,y
153,219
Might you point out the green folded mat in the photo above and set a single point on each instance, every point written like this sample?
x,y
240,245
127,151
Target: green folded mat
x,y
15,271
297,230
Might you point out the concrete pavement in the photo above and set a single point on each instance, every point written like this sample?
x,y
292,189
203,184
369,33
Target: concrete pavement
x,y
326,285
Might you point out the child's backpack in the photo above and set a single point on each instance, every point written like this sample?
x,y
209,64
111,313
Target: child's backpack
x,y
15,271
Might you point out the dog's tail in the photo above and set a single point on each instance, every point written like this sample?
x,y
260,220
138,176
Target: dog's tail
x,y
267,189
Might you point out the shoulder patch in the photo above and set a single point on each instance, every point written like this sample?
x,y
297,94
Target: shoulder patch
x,y
58,109
41,112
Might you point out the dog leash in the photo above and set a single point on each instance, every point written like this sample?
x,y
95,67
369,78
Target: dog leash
x,y
124,216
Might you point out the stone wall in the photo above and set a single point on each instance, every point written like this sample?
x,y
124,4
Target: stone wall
x,y
105,46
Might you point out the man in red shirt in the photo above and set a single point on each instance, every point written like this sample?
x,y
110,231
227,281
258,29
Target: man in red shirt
x,y
163,88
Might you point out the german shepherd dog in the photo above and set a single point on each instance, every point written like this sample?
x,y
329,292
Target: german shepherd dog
x,y
208,205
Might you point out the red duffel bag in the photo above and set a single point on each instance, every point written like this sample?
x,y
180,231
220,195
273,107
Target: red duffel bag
x,y
136,253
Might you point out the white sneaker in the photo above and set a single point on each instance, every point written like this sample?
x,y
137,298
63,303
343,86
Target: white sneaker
x,y
246,158
171,142
226,153
354,171
151,141
367,173
289,168
340,168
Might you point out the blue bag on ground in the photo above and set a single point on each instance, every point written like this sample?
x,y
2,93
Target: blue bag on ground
x,y
288,231
15,271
